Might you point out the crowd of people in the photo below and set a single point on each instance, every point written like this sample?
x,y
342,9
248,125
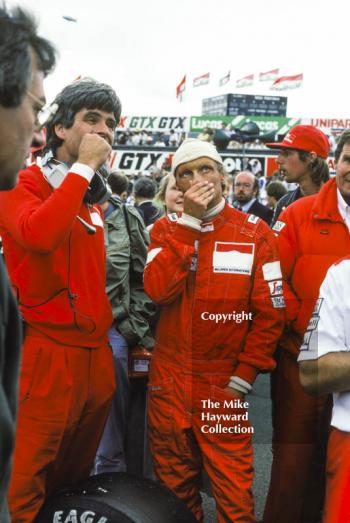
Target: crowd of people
x,y
195,280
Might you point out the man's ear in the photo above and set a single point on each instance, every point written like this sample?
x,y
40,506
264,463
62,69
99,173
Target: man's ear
x,y
60,131
313,157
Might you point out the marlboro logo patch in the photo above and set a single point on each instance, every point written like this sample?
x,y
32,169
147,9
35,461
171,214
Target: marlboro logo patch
x,y
233,258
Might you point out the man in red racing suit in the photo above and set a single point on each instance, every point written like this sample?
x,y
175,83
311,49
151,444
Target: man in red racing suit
x,y
54,250
216,273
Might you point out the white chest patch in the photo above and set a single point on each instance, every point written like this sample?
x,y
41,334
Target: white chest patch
x,y
233,258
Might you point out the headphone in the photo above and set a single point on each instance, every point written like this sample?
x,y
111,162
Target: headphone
x,y
55,172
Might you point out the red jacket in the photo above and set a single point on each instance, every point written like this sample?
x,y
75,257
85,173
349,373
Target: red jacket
x,y
312,236
57,269
235,268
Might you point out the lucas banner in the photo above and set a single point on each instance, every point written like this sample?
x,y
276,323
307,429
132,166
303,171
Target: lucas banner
x,y
279,125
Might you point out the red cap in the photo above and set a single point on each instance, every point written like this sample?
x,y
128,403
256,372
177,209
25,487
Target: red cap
x,y
304,138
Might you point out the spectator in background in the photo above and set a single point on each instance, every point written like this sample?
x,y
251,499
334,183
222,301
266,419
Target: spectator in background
x,y
227,186
159,142
246,191
144,192
173,138
118,183
275,191
126,240
206,135
169,197
301,159
25,58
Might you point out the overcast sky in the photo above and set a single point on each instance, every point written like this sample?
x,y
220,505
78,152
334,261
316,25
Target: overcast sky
x,y
143,48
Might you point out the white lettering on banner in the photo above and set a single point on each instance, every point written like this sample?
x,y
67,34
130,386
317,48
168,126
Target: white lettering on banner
x,y
197,123
232,164
233,258
272,271
276,288
152,254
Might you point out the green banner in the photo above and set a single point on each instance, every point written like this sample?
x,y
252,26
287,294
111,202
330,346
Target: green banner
x,y
266,124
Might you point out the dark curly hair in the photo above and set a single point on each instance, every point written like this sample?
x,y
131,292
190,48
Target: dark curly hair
x,y
81,94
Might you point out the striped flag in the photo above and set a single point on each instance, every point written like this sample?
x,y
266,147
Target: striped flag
x,y
225,79
180,89
287,82
269,75
201,80
246,81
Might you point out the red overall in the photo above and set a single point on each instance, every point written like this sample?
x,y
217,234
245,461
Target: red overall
x,y
58,274
203,279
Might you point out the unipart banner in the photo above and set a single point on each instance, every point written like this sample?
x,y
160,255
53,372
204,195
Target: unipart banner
x,y
278,125
330,123
154,123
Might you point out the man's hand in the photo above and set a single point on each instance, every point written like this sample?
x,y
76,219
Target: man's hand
x,y
197,198
93,150
235,393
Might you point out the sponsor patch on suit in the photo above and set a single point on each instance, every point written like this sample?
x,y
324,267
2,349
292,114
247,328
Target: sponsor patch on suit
x,y
233,258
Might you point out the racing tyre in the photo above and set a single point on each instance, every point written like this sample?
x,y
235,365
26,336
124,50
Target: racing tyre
x,y
116,498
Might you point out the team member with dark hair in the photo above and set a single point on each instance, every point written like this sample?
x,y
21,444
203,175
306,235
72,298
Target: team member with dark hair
x,y
118,183
313,233
246,191
25,58
203,267
54,249
274,192
301,159
144,191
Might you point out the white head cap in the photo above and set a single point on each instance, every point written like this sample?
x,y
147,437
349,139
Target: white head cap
x,y
192,149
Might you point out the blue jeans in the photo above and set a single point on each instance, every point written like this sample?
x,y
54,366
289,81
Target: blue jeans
x,y
110,455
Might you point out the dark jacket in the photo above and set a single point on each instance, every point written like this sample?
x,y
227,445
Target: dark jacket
x,y
284,202
10,346
262,211
149,212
